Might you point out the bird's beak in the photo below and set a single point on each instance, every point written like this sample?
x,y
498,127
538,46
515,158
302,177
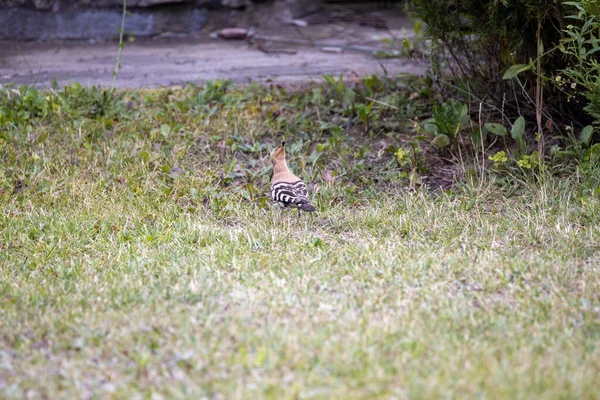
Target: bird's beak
x,y
281,147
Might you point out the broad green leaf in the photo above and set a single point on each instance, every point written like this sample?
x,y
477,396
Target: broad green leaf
x,y
496,129
430,127
518,129
595,149
586,135
516,70
441,141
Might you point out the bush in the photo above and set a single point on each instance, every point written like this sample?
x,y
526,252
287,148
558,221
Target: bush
x,y
507,55
582,44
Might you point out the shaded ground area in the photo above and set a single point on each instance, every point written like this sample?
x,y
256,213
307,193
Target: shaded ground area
x,y
294,54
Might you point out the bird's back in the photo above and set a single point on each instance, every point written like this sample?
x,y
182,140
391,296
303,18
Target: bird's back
x,y
290,191
286,188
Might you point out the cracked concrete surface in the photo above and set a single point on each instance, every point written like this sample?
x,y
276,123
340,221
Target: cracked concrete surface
x,y
176,61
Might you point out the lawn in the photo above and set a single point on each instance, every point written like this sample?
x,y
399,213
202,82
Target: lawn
x,y
139,256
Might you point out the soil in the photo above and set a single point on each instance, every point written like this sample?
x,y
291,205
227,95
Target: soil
x,y
296,55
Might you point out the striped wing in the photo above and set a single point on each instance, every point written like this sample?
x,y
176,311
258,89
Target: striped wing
x,y
286,193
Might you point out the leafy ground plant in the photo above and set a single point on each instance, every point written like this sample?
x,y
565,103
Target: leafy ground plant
x,y
139,256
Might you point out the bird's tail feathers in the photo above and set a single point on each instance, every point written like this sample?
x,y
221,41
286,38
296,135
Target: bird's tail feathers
x,y
307,207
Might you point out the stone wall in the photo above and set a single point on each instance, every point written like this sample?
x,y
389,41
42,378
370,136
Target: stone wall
x,y
57,5
50,20
96,24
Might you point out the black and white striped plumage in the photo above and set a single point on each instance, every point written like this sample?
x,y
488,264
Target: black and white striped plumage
x,y
286,188
291,194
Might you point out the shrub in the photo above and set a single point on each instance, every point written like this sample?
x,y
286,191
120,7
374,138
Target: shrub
x,y
506,54
582,44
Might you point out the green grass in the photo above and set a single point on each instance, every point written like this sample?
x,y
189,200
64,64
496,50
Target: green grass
x,y
139,257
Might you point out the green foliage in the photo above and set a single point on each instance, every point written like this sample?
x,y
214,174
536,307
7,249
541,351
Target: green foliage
x,y
503,32
520,158
207,96
505,55
404,47
164,130
341,93
526,161
92,102
514,70
447,121
581,149
18,105
26,104
402,157
410,163
365,114
517,132
582,44
499,159
495,128
139,257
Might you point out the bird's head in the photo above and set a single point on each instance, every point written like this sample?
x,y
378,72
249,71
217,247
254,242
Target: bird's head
x,y
278,154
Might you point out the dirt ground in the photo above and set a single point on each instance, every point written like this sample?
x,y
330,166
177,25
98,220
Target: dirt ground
x,y
294,55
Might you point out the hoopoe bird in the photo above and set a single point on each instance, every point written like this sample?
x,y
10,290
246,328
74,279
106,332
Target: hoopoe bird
x,y
286,188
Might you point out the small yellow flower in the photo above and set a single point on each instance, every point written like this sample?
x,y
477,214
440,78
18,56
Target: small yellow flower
x,y
558,78
499,159
525,162
402,157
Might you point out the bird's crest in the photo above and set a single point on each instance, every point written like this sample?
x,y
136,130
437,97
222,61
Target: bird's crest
x,y
278,154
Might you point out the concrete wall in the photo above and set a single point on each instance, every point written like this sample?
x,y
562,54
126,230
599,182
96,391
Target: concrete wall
x,y
97,24
49,20
57,5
